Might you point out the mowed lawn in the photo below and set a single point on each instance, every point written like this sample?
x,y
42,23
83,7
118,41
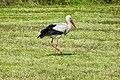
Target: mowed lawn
x,y
91,52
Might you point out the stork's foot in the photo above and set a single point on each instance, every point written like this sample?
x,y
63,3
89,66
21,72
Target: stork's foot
x,y
61,53
50,44
55,49
58,54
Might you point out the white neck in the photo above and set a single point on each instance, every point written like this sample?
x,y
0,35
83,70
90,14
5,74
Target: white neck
x,y
69,26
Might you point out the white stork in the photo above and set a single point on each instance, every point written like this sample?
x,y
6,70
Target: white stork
x,y
55,31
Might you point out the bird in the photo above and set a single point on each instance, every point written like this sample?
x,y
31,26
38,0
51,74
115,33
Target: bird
x,y
55,31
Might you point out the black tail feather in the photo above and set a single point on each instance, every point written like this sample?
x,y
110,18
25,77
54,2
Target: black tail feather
x,y
43,33
40,36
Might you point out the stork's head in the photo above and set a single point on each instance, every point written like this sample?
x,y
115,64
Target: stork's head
x,y
69,20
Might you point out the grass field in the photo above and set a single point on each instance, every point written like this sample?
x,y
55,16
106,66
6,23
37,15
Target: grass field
x,y
91,52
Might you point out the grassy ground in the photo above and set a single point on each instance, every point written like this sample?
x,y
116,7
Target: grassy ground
x,y
91,52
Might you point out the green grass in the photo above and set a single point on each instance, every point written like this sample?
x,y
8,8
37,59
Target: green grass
x,y
93,48
55,2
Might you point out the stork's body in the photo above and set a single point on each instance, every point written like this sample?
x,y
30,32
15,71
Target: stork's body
x,y
55,31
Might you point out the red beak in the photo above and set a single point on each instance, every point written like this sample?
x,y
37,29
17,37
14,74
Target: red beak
x,y
73,23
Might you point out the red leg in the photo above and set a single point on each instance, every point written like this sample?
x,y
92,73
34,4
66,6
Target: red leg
x,y
57,49
52,41
54,51
51,44
57,45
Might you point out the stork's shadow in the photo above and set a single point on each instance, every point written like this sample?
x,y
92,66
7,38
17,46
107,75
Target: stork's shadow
x,y
64,54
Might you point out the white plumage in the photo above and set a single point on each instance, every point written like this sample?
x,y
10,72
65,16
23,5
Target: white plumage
x,y
56,30
60,27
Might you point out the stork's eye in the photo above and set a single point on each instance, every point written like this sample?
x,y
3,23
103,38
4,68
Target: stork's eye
x,y
70,18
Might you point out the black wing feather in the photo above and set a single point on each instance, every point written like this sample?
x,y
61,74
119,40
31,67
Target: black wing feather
x,y
49,31
51,26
